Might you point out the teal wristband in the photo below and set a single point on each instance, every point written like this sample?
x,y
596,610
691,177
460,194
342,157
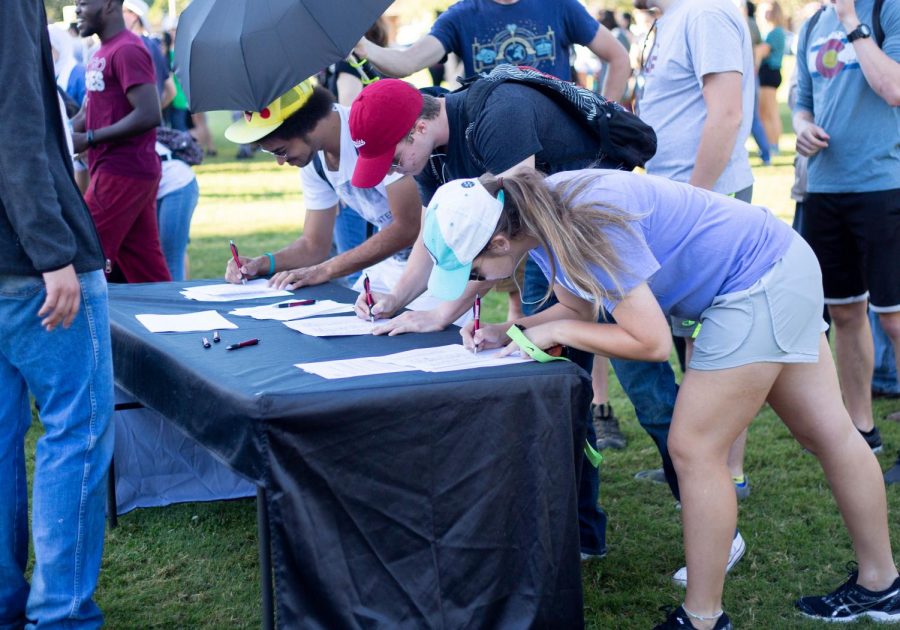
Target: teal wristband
x,y
271,262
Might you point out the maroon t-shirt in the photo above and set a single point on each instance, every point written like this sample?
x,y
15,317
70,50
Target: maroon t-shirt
x,y
118,65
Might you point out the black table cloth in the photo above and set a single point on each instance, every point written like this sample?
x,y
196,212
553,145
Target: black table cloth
x,y
408,500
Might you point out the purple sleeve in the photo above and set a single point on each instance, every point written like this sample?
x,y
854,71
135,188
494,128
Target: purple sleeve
x,y
581,28
133,66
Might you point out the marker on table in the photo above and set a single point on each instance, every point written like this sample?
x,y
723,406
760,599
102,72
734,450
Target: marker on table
x,y
243,344
370,302
297,303
216,337
476,314
237,261
206,343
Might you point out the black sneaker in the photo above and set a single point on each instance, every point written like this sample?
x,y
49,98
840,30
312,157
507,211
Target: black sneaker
x,y
609,435
679,620
851,601
873,439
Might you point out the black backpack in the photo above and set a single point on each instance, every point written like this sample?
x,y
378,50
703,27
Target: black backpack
x,y
625,140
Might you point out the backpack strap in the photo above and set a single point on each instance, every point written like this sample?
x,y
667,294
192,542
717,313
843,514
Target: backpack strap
x,y
320,169
877,29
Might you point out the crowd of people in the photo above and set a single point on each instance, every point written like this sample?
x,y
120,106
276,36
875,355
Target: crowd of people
x,y
429,193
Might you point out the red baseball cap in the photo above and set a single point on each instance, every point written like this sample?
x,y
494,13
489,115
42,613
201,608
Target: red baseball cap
x,y
380,117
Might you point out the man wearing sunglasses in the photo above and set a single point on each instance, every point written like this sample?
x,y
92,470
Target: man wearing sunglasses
x,y
305,128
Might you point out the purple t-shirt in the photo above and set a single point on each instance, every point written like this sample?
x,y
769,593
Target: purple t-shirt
x,y
118,65
688,244
535,33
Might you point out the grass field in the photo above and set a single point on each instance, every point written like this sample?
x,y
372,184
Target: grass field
x,y
195,565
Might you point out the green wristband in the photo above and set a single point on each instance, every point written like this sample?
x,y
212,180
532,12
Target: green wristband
x,y
271,263
516,334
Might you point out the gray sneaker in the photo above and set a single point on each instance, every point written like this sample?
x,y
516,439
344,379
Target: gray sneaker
x,y
893,473
656,475
609,435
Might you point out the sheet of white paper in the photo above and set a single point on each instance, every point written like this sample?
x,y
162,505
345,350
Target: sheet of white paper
x,y
226,292
271,311
351,367
185,322
333,326
450,358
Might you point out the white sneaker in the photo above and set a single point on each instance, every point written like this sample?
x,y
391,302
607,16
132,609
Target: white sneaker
x,y
738,547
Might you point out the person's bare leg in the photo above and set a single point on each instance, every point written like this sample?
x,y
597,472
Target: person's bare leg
x,y
600,380
805,396
768,114
712,409
854,351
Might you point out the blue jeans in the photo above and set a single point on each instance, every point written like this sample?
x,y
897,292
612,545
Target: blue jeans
x,y
884,378
350,230
591,517
173,215
69,373
758,131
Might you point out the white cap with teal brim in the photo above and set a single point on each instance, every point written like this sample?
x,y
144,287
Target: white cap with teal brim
x,y
459,222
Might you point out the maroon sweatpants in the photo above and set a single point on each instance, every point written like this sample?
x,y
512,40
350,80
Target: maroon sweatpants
x,y
124,211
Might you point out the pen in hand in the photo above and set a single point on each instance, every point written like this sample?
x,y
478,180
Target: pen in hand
x,y
237,261
242,344
370,302
476,314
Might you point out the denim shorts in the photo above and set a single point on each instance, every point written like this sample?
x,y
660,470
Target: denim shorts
x,y
778,319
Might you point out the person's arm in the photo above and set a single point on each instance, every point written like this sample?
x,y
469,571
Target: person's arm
x,y
311,248
397,62
612,53
403,199
144,116
168,94
882,73
27,190
348,86
641,331
722,95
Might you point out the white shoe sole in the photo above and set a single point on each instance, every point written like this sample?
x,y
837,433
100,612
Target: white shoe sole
x,y
878,617
738,547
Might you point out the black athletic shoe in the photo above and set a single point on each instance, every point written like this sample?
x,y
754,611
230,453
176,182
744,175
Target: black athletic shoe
x,y
851,601
873,439
680,620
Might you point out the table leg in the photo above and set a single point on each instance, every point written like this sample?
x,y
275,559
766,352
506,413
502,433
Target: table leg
x,y
265,560
112,509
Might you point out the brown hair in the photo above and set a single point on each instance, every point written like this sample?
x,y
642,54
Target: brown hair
x,y
571,229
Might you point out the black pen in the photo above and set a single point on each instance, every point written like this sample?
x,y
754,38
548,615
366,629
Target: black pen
x,y
297,303
243,344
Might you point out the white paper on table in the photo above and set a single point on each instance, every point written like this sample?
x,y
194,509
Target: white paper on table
x,y
227,292
333,326
451,358
185,322
271,311
347,368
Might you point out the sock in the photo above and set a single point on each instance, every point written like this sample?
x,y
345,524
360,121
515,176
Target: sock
x,y
739,481
867,433
602,410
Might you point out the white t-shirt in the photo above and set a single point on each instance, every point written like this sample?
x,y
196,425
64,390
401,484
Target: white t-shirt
x,y
695,38
370,203
175,173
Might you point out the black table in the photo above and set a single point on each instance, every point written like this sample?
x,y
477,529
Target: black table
x,y
404,500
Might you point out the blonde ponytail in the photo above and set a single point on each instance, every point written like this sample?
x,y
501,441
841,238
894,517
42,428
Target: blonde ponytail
x,y
572,232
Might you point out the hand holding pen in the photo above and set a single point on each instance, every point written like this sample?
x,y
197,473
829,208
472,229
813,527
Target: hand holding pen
x,y
237,261
370,301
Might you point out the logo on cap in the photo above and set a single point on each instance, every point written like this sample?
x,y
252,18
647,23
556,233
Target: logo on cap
x,y
359,143
468,184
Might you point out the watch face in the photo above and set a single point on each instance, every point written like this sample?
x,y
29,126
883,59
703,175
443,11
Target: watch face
x,y
864,30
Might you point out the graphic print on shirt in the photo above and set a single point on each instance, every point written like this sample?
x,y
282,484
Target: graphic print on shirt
x,y
828,56
93,78
515,45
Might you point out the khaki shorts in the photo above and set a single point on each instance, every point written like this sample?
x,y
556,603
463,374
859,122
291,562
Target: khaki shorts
x,y
778,319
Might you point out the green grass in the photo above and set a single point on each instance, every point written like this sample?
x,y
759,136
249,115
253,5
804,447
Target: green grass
x,y
195,565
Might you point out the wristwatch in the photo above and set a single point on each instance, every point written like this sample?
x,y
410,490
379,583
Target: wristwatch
x,y
860,32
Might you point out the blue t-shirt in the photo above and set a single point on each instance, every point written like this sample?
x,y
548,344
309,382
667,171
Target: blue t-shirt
x,y
160,66
863,153
75,87
688,244
535,33
775,40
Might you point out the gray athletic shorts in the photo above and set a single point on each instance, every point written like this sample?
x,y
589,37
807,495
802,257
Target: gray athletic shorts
x,y
778,319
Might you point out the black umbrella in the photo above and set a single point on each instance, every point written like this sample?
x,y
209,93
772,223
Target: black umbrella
x,y
242,54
